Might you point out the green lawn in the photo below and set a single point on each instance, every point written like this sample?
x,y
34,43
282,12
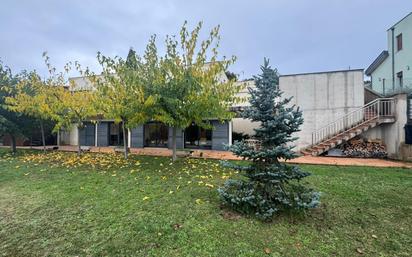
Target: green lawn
x,y
56,206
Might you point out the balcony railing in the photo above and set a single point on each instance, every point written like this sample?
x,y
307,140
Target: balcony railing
x,y
387,88
375,110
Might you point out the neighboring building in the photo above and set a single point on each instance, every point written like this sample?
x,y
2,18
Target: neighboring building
x,y
391,71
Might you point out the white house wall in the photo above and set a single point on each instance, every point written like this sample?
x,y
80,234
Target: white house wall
x,y
392,134
323,98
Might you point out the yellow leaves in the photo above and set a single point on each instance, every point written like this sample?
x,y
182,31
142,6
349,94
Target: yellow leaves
x,y
95,161
209,185
146,198
198,201
171,192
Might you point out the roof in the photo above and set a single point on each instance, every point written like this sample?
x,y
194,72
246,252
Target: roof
x,y
368,88
400,21
321,72
378,61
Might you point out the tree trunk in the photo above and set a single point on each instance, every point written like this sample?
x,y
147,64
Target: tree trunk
x,y
58,137
174,157
124,140
79,149
43,140
13,144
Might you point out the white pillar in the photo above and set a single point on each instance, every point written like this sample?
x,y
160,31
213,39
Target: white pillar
x,y
129,138
58,137
230,131
95,134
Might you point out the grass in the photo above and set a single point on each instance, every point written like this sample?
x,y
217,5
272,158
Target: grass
x,y
100,205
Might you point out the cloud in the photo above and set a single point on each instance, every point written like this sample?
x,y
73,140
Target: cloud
x,y
298,36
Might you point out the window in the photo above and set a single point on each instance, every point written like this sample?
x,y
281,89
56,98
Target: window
x,y
197,137
399,42
156,134
115,134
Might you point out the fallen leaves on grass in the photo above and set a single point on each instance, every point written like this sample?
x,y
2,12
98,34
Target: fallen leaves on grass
x,y
358,250
102,161
177,226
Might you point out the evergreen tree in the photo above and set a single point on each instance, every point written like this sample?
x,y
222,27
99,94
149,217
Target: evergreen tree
x,y
271,186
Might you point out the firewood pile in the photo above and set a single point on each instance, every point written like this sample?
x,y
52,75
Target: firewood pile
x,y
359,147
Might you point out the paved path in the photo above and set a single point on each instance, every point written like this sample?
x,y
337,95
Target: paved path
x,y
342,161
225,155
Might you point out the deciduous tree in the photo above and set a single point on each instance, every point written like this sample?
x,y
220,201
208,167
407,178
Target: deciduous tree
x,y
68,104
192,85
31,99
12,123
121,91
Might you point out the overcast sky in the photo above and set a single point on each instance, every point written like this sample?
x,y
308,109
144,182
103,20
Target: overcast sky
x,y
297,36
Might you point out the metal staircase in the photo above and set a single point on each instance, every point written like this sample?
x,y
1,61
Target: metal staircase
x,y
381,110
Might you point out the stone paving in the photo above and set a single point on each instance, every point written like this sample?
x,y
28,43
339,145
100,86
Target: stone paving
x,y
225,155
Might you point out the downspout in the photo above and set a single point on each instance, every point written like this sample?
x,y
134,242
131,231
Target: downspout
x,y
393,58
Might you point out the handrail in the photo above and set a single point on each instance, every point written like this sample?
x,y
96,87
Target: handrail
x,y
377,108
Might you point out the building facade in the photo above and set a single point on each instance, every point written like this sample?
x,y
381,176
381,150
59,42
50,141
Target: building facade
x,y
322,97
104,132
391,71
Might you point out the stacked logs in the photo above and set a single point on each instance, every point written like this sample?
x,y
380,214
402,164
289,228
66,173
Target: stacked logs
x,y
359,147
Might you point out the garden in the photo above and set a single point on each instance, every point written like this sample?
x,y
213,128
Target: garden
x,y
58,204
55,203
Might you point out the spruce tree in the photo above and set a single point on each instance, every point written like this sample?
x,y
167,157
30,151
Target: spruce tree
x,y
271,186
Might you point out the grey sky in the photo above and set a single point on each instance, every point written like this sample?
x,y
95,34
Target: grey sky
x,y
297,35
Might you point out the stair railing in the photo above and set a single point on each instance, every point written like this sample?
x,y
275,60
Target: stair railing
x,y
378,108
